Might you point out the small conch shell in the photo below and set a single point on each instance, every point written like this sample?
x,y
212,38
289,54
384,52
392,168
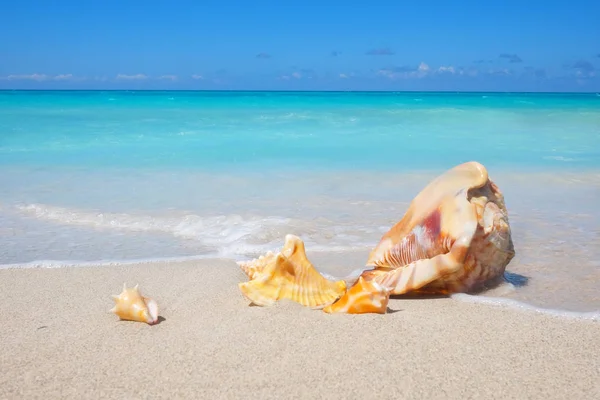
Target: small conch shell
x,y
132,306
363,297
289,275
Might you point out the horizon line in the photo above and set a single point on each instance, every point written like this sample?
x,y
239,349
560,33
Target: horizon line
x,y
300,90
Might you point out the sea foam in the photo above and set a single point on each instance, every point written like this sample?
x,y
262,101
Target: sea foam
x,y
522,306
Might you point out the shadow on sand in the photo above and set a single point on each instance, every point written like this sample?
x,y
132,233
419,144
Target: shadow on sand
x,y
516,279
509,277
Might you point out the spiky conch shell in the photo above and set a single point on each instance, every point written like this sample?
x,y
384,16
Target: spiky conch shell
x,y
288,275
362,297
130,305
253,268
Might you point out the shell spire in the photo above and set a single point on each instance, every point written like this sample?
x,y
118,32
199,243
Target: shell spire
x,y
130,305
255,267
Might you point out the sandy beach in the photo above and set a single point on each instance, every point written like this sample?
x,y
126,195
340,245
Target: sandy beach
x,y
58,340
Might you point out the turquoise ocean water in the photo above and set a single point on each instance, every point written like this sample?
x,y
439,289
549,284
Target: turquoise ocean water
x,y
261,130
89,176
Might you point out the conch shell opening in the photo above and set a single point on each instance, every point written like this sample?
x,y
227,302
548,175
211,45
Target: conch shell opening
x,y
130,305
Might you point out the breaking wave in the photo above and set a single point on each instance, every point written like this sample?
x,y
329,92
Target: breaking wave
x,y
229,236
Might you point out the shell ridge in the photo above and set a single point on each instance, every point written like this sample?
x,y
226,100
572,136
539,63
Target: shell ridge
x,y
291,276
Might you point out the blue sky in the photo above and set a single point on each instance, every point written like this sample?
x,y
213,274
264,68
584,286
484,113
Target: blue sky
x,y
508,45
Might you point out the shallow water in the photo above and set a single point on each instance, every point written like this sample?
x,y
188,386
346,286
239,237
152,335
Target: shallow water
x,y
81,216
95,176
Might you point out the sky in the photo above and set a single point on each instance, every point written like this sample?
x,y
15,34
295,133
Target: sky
x,y
459,45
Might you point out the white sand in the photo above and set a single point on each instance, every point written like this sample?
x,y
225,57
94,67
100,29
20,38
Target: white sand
x,y
59,341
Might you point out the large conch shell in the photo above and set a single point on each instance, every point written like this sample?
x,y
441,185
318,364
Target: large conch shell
x,y
288,275
454,237
130,305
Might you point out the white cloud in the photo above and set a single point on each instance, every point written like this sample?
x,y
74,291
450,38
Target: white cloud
x,y
387,72
405,72
196,76
41,77
450,69
500,72
168,77
32,77
344,76
584,74
424,70
423,67
131,77
468,72
293,75
63,77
